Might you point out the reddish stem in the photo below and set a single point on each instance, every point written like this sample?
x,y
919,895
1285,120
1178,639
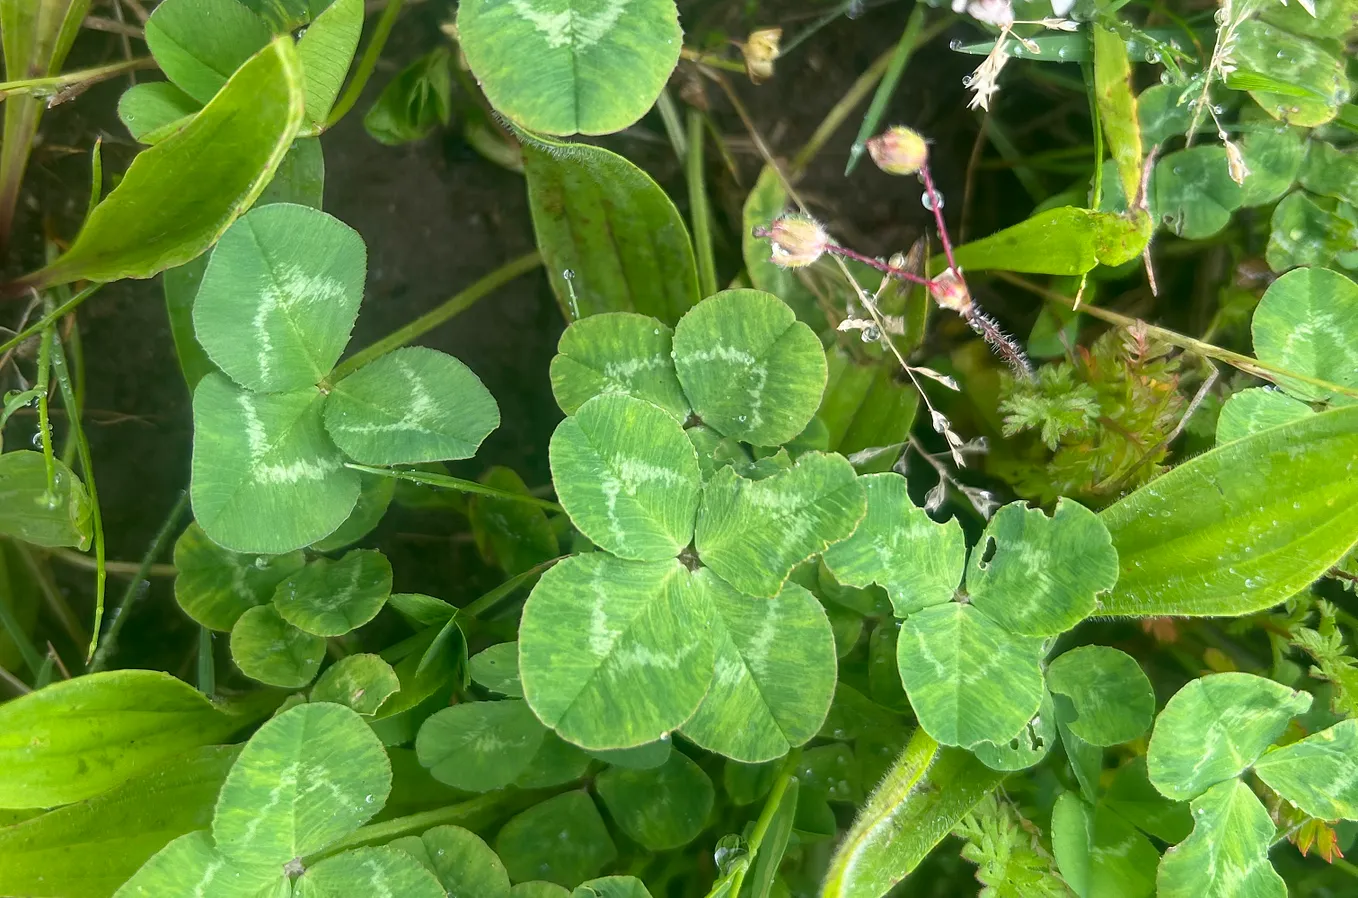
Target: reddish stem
x,y
936,204
879,265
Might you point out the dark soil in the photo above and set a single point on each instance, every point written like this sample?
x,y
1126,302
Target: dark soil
x,y
436,216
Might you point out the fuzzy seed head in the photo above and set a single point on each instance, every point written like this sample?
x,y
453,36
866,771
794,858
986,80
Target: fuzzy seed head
x,y
760,51
950,292
797,241
899,151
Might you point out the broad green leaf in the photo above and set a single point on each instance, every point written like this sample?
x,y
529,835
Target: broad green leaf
x,y
532,846
1133,797
368,871
325,49
155,110
1255,409
555,763
29,511
480,746
1117,105
81,737
866,410
612,887
1161,115
1192,194
424,674
191,865
1319,774
1273,154
1026,749
374,497
627,476
1227,854
661,808
362,682
1040,576
969,680
568,66
1306,232
415,102
215,586
1214,728
831,771
179,196
1329,171
410,406
643,757
922,798
330,598
88,849
766,202
617,352
751,370
916,560
300,178
465,865
538,889
1242,527
279,297
775,673
1099,854
497,669
1110,695
615,654
611,240
1057,241
198,44
1307,322
744,784
308,777
1305,65
266,478
269,649
514,536
752,533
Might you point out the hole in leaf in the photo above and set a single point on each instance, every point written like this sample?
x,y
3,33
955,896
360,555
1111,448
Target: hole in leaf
x,y
988,553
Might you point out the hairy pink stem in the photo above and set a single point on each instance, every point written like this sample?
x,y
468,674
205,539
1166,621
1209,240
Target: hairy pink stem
x,y
935,201
879,265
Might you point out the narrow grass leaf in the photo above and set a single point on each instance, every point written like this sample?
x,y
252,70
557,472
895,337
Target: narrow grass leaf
x,y
1214,728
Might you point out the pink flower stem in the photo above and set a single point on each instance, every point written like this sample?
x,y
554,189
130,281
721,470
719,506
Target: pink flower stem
x,y
879,265
936,203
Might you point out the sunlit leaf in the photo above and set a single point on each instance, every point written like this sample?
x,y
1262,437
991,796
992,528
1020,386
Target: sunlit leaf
x,y
313,774
326,49
1056,241
462,861
563,67
969,680
1303,64
1110,695
661,808
754,532
1039,576
1255,409
1307,231
1117,105
368,871
279,296
532,845
266,477
615,654
32,512
1216,727
362,682
775,673
1227,854
617,352
330,598
1319,774
269,649
192,865
215,586
480,746
611,240
897,546
1251,523
627,476
751,370
1307,322
80,737
409,406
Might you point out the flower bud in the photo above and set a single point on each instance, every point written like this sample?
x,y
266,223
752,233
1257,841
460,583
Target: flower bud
x,y
899,151
760,50
950,292
797,241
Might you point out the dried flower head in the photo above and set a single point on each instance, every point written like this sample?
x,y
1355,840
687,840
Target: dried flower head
x,y
797,241
899,151
1235,162
950,292
760,50
985,81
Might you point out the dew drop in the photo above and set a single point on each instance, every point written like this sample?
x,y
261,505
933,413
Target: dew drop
x,y
955,44
928,200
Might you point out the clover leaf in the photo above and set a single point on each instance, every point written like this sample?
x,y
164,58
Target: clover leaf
x,y
662,807
1307,322
480,746
330,598
617,352
1227,852
1110,696
462,861
1319,774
